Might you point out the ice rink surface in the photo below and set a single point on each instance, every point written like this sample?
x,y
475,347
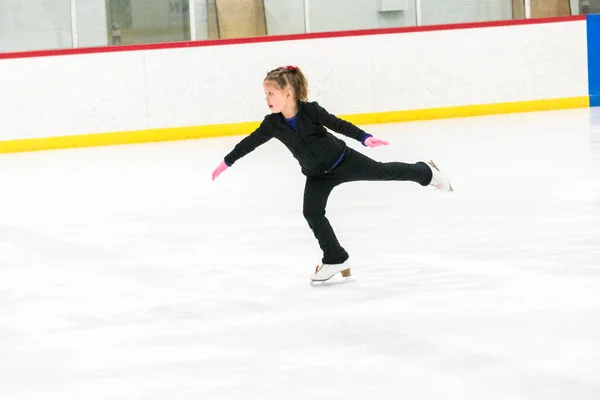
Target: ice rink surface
x,y
126,273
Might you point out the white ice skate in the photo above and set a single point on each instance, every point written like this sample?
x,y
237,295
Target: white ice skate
x,y
325,272
439,180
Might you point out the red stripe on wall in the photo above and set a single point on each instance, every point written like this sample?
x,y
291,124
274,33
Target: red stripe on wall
x,y
279,38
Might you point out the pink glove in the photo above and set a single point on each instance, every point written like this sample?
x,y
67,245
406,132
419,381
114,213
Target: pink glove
x,y
220,168
372,142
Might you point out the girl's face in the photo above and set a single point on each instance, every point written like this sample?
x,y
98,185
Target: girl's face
x,y
275,97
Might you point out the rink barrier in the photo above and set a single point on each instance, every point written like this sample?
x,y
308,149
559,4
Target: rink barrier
x,y
244,128
593,38
222,130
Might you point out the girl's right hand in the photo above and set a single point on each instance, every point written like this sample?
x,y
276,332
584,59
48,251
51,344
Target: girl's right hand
x,y
220,168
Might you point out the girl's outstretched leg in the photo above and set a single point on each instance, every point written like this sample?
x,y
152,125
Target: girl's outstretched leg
x,y
362,168
359,167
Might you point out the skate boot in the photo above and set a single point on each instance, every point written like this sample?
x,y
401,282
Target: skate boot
x,y
325,272
439,180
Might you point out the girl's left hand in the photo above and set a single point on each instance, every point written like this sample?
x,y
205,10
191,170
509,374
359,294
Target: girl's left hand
x,y
374,142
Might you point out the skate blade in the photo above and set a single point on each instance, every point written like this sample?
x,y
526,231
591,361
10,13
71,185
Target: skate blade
x,y
332,282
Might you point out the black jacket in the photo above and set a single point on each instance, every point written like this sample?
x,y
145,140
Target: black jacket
x,y
316,149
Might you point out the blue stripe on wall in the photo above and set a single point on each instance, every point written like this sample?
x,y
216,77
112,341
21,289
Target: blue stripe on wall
x,y
593,40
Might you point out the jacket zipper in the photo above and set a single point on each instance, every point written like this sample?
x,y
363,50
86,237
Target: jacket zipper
x,y
304,144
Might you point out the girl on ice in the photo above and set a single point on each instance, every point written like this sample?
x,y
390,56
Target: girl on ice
x,y
325,160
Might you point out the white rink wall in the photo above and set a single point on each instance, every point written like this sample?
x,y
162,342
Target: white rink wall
x,y
195,86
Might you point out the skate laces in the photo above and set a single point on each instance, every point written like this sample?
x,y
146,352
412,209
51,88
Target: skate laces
x,y
435,181
322,267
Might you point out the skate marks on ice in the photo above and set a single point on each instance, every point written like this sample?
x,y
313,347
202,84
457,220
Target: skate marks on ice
x,y
408,276
421,273
411,275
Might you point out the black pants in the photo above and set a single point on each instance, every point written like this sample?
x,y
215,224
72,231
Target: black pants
x,y
353,167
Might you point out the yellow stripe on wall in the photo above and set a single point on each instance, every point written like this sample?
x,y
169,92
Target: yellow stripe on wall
x,y
469,111
141,136
208,131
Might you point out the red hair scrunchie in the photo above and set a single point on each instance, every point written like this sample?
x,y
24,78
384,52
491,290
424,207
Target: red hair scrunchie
x,y
292,68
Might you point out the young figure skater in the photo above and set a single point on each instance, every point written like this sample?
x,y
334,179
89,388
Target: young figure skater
x,y
325,160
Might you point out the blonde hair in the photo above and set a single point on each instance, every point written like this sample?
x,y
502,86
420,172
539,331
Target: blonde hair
x,y
290,76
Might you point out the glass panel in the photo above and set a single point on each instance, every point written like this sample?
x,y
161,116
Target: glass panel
x,y
240,18
585,7
337,15
550,8
201,19
148,21
459,11
91,23
518,9
284,17
223,19
46,24
35,25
